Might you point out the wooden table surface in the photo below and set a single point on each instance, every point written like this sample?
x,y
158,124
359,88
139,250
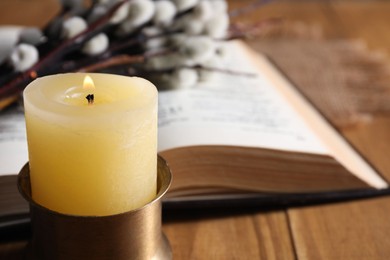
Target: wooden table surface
x,y
352,230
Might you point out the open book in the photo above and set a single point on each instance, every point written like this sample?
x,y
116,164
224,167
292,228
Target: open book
x,y
250,139
256,138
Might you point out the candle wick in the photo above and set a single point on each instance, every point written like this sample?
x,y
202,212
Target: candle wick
x,y
90,99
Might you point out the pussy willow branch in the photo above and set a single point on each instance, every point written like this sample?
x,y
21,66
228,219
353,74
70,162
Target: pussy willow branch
x,y
123,59
77,41
113,49
54,58
101,61
41,68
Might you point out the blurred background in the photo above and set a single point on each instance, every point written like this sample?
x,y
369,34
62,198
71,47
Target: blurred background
x,y
336,18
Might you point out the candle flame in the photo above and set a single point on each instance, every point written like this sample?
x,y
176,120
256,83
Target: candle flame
x,y
88,83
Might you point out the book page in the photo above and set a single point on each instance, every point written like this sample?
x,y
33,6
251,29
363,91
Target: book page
x,y
13,144
233,109
337,146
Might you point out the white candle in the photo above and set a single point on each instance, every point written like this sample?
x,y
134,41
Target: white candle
x,y
92,159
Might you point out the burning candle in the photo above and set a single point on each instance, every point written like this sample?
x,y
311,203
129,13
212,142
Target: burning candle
x,y
92,145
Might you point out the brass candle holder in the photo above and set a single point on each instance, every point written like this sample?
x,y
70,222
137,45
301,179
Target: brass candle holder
x,y
135,234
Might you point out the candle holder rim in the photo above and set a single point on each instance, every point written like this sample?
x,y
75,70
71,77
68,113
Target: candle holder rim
x,y
163,185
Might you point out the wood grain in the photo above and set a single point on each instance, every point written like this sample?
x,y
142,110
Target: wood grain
x,y
226,235
355,230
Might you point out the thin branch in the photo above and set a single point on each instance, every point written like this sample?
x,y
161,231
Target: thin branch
x,y
123,59
114,61
225,71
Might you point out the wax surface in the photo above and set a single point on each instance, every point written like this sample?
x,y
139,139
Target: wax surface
x,y
97,159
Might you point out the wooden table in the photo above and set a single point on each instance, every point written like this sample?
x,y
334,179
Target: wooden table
x,y
352,230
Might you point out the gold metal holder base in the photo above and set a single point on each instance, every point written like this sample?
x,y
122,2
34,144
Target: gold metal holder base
x,y
135,234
